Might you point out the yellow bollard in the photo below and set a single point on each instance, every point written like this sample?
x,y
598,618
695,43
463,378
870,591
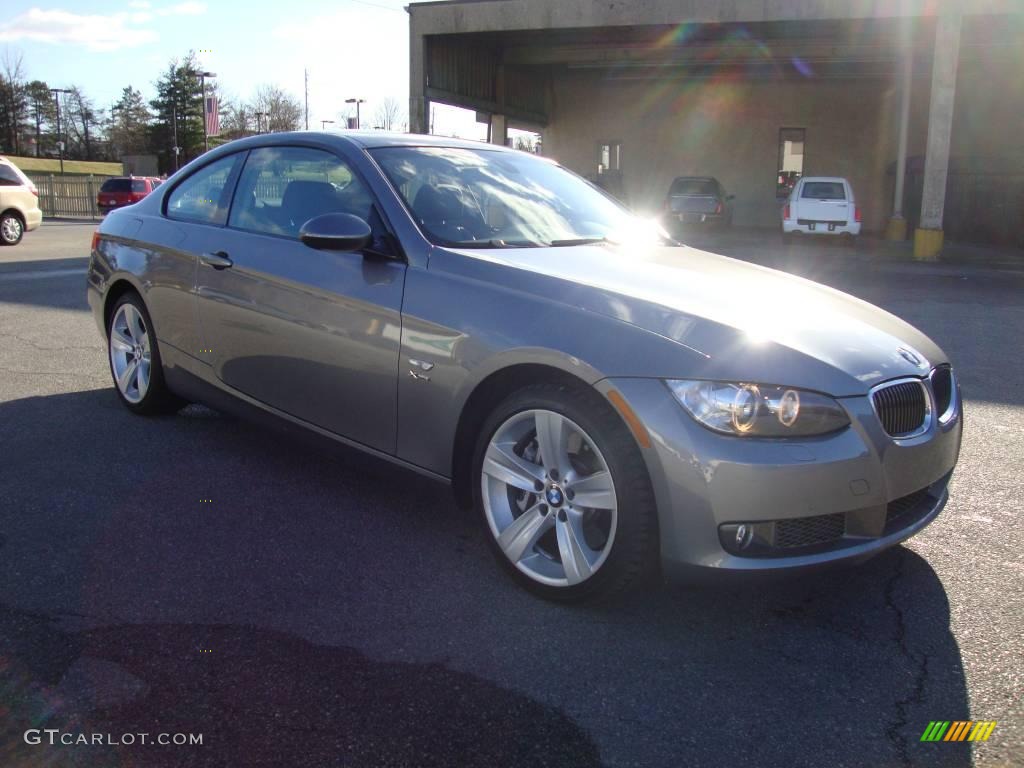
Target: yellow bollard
x,y
927,244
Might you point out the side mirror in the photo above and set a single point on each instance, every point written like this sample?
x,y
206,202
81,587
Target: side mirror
x,y
336,232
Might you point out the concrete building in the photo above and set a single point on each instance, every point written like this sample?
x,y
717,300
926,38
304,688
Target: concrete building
x,y
907,98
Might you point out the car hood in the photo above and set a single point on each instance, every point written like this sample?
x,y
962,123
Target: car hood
x,y
741,321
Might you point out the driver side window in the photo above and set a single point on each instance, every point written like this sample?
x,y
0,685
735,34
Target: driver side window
x,y
281,188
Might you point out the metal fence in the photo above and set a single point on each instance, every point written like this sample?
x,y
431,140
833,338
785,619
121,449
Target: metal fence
x,y
68,196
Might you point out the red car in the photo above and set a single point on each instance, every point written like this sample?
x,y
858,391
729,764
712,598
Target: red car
x,y
124,190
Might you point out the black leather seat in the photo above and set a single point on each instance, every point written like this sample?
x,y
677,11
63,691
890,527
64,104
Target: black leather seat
x,y
302,200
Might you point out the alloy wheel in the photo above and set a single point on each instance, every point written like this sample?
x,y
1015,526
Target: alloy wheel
x,y
130,353
10,229
549,497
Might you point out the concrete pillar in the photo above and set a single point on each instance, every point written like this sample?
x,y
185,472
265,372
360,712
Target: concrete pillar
x,y
928,236
499,130
419,106
896,229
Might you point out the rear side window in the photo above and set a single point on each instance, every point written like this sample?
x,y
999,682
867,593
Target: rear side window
x,y
203,197
117,185
8,178
138,185
823,190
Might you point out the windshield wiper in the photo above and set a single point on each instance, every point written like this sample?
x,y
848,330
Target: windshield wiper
x,y
578,241
494,244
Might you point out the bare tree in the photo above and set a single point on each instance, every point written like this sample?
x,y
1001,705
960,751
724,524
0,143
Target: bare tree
x,y
82,122
283,110
237,119
13,101
388,115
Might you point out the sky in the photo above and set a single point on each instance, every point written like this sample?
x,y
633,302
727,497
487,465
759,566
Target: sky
x,y
351,48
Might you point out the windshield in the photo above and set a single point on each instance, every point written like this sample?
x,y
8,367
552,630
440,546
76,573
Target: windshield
x,y
702,187
489,198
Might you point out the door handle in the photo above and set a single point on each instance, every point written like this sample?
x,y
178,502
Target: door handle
x,y
218,260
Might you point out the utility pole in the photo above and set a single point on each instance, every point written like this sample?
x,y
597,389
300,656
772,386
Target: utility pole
x,y
259,125
305,74
39,129
60,139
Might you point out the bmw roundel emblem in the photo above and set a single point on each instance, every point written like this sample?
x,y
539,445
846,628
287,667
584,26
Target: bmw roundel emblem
x,y
554,496
909,356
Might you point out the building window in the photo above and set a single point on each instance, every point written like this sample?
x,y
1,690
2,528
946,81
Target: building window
x,y
609,157
791,160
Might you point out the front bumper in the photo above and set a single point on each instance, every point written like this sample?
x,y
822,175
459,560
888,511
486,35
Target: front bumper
x,y
864,489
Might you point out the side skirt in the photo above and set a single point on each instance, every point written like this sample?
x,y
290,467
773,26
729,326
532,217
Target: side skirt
x,y
194,381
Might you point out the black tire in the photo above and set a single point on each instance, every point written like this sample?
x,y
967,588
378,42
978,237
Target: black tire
x,y
634,553
158,400
12,228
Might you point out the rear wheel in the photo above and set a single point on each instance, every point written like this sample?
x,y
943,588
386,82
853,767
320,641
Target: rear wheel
x,y
564,494
135,359
11,228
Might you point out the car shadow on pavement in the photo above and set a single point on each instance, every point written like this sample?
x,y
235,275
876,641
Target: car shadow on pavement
x,y
256,698
303,606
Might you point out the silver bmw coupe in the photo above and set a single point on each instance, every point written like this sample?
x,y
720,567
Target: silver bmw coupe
x,y
612,404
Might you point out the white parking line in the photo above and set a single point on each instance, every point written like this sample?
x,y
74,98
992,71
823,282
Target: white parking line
x,y
39,274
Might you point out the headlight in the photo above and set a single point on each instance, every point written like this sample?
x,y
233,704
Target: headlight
x,y
756,410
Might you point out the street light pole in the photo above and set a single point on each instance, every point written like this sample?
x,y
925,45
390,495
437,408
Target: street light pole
x,y
259,124
323,123
357,102
174,124
202,81
60,139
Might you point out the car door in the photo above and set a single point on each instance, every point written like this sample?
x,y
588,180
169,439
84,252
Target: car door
x,y
310,332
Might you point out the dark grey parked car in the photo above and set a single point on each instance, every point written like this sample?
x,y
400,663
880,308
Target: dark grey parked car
x,y
609,402
697,200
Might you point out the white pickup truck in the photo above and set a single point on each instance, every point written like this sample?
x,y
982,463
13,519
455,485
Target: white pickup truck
x,y
821,205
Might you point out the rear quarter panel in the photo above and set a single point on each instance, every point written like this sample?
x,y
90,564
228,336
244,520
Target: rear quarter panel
x,y
148,252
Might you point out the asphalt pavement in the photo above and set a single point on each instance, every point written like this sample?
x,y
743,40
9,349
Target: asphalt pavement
x,y
298,604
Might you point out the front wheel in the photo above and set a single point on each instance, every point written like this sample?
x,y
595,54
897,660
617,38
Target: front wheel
x,y
564,494
135,359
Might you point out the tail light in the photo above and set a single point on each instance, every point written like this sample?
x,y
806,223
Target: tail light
x,y
856,213
718,208
785,212
33,190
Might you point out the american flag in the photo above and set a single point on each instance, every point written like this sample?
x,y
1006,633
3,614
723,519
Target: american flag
x,y
212,116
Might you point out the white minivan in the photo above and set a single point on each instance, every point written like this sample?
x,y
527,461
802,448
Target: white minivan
x,y
19,204
821,205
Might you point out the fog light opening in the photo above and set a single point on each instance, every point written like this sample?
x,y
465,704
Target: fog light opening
x,y
744,535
